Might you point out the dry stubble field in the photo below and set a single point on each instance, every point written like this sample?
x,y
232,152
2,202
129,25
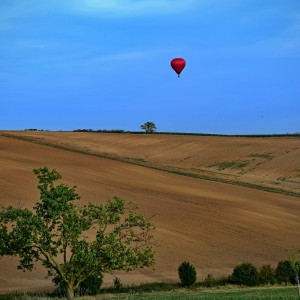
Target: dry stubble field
x,y
212,224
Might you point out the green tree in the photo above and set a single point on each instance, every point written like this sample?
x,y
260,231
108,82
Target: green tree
x,y
245,274
75,242
149,127
187,274
284,272
294,259
266,275
90,286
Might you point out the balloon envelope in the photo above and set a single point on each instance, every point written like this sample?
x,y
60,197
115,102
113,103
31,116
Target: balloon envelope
x,y
178,65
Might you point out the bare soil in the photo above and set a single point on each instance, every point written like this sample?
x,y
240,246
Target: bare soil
x,y
213,225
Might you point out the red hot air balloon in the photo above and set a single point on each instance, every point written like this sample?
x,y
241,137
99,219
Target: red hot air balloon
x,y
178,65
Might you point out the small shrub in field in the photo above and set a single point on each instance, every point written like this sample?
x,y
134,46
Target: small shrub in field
x,y
285,273
209,281
267,275
187,274
117,283
151,287
245,274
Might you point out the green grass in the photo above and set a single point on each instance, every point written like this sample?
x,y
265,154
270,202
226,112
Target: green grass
x,y
222,293
168,291
211,172
26,296
230,165
236,294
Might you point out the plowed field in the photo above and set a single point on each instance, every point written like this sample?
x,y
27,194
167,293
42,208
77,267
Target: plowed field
x,y
212,224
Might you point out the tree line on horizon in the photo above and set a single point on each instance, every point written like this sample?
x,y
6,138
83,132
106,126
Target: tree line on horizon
x,y
153,130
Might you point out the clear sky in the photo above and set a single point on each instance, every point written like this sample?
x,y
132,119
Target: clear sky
x,y
105,64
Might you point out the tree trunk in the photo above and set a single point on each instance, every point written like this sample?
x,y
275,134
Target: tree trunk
x,y
297,279
70,293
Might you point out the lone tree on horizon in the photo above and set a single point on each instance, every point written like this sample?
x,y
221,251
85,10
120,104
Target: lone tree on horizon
x,y
75,242
149,127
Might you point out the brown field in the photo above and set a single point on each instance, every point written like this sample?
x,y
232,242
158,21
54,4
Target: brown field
x,y
269,162
212,224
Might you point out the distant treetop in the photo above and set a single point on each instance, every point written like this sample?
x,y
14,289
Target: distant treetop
x,y
149,127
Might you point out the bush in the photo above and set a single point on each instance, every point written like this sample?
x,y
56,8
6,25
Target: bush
x,y
267,275
187,274
209,281
117,283
245,274
90,286
285,273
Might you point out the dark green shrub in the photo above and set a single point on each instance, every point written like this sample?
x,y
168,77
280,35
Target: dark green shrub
x,y
187,274
267,275
245,274
285,273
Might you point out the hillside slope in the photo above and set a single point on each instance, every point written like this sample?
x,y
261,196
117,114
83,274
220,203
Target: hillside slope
x,y
272,162
213,225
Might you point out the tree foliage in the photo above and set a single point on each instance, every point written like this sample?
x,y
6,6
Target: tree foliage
x,y
245,274
284,272
75,242
187,274
267,275
294,259
149,127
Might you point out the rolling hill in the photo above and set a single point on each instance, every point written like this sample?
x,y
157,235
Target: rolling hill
x,y
213,224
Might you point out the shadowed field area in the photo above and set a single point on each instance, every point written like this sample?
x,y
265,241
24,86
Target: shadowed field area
x,y
212,224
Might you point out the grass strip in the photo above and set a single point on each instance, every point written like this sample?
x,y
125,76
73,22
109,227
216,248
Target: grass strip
x,y
217,293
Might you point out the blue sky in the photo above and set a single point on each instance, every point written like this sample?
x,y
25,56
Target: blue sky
x,y
105,64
